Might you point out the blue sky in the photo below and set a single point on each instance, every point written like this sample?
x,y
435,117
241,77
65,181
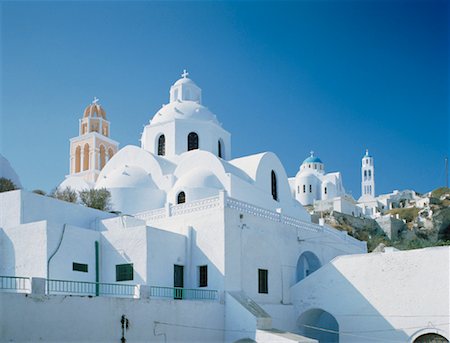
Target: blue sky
x,y
335,77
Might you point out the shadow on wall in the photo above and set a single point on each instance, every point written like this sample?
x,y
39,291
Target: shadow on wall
x,y
7,255
333,310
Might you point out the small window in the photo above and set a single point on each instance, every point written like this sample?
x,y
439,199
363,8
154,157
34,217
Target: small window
x,y
304,188
325,190
192,141
124,272
203,276
219,149
274,186
263,284
80,267
298,189
161,145
181,198
310,188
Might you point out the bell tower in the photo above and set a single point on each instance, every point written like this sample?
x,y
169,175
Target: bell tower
x,y
367,176
92,148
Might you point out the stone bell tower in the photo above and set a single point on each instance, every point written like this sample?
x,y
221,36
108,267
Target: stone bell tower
x,y
92,148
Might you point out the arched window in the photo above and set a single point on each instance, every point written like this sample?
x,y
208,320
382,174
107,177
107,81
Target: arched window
x,y
86,157
274,186
310,188
162,145
325,190
304,188
370,175
110,153
192,141
365,175
181,198
102,156
219,148
78,159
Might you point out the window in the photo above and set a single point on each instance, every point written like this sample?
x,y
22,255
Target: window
x,y
310,188
365,175
219,149
263,284
192,141
181,198
325,190
274,186
304,188
203,276
298,189
161,145
80,267
124,272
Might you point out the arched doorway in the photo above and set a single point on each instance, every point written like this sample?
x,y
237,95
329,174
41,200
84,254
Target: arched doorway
x,y
430,338
307,264
319,324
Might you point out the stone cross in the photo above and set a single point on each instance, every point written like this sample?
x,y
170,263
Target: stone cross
x,y
185,74
95,100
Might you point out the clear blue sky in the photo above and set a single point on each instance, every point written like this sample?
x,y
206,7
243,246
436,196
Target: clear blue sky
x,y
289,77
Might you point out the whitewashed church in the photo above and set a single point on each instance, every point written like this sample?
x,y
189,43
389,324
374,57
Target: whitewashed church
x,y
205,248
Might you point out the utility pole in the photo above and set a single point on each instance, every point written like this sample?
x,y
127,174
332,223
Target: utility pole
x,y
446,172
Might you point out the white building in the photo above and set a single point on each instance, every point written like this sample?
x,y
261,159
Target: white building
x,y
219,247
312,186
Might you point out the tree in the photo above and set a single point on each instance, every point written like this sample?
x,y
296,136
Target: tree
x,y
6,185
66,194
99,199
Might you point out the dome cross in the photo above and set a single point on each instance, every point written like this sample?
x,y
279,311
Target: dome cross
x,y
185,74
95,100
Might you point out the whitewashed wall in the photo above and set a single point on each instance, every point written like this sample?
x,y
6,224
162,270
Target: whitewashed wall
x,y
97,319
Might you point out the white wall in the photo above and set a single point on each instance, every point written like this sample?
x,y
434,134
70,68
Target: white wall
x,y
382,296
97,319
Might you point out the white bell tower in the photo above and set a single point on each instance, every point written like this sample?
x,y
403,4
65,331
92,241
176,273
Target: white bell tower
x,y
367,176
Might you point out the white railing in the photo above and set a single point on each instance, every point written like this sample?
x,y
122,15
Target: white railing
x,y
224,201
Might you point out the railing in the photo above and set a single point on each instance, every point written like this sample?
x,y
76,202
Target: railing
x,y
183,293
15,283
89,288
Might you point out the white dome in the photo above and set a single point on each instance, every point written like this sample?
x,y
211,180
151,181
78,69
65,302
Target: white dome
x,y
184,81
76,183
8,172
127,177
184,110
197,184
199,178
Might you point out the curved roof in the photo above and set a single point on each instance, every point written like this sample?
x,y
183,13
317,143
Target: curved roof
x,y
94,110
184,110
312,159
199,178
8,172
184,81
127,177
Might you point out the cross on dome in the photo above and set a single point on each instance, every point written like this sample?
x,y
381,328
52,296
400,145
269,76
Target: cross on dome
x,y
95,100
312,153
185,74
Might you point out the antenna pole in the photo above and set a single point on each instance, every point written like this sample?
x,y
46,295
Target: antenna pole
x,y
446,172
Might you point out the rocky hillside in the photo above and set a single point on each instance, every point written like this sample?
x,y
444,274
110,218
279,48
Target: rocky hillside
x,y
405,228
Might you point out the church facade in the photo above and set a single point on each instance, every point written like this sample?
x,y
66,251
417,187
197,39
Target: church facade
x,y
193,223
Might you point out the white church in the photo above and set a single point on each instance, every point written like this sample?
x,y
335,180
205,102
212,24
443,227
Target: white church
x,y
203,247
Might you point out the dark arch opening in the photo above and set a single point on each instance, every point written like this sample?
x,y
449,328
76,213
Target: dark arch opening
x,y
319,324
192,141
181,198
274,186
307,264
162,145
430,338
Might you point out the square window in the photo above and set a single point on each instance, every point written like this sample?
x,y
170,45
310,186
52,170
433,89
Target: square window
x,y
203,276
263,282
80,267
124,272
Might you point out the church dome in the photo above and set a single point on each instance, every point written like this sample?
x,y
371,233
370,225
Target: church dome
x,y
94,110
129,177
184,110
312,159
